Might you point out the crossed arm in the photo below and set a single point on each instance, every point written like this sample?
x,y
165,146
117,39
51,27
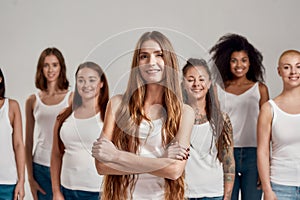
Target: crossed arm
x,y
110,160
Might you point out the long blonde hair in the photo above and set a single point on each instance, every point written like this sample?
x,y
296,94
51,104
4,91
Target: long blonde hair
x,y
131,113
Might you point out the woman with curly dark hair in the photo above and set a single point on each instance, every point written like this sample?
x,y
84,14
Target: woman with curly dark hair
x,y
241,69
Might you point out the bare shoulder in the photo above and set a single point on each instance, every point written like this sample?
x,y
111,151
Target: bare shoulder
x,y
115,101
187,111
262,87
13,104
266,108
31,99
71,97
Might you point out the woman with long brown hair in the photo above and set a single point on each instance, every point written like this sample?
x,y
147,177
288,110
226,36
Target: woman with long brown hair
x,y
73,173
41,111
140,125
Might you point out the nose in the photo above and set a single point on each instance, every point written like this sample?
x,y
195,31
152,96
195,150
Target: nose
x,y
196,83
152,60
293,70
50,68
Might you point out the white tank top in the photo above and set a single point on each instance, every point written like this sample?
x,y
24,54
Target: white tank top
x,y
45,116
203,171
149,186
78,167
243,111
8,170
285,156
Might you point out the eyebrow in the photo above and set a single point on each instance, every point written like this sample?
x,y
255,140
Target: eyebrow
x,y
157,51
88,76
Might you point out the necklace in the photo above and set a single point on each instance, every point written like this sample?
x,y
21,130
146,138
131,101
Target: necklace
x,y
200,118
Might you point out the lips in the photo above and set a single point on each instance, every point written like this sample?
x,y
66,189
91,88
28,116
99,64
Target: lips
x,y
153,71
239,70
294,78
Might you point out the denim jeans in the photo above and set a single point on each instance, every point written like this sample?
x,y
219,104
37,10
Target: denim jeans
x,y
79,194
207,198
285,192
7,192
42,176
246,174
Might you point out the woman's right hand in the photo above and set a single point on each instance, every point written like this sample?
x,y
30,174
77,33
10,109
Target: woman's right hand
x,y
175,151
35,187
58,196
270,195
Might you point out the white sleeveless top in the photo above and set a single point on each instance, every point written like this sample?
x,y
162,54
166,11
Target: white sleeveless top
x,y
149,186
8,169
203,171
78,170
45,116
243,111
285,156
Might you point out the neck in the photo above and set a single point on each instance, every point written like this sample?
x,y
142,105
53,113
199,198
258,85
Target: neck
x,y
90,104
52,88
154,94
197,103
291,92
199,106
239,80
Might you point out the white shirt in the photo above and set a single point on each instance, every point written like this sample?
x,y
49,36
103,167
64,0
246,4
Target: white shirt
x,y
8,169
149,186
285,157
78,167
45,116
243,111
203,171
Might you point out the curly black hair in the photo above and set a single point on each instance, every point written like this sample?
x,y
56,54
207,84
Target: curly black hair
x,y
229,43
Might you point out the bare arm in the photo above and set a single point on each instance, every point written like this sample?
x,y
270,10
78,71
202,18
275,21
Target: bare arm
x,y
263,149
19,149
56,162
130,163
29,134
264,94
228,163
30,122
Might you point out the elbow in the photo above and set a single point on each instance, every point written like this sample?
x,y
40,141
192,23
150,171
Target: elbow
x,y
100,167
175,172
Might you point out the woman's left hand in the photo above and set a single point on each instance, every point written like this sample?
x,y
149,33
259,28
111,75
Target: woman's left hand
x,y
175,151
104,150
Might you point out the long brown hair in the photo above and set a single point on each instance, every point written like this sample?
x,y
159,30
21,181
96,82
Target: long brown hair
x,y
131,113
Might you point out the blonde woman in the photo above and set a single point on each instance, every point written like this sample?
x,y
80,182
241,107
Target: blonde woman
x,y
140,125
278,127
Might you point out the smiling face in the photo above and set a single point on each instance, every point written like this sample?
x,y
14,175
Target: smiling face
x,y
51,68
196,82
151,62
239,64
88,83
289,68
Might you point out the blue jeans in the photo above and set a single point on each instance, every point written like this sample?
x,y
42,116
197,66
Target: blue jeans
x,y
207,198
285,192
79,194
42,176
7,192
246,174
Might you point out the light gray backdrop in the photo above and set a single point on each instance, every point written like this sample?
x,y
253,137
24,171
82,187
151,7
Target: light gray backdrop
x,y
106,32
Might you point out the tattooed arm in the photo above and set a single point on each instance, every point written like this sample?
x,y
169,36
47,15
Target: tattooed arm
x,y
228,159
